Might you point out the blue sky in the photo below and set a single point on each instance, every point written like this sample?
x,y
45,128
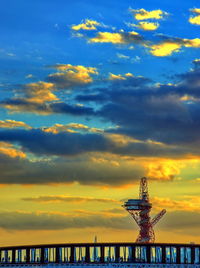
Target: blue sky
x,y
38,33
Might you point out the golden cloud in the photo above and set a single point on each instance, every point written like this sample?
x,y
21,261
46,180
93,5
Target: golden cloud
x,y
169,46
195,19
35,96
165,48
195,10
188,98
148,26
165,170
106,37
104,161
116,77
40,92
77,126
115,38
192,42
9,150
87,25
77,68
142,14
72,75
188,203
196,61
71,127
13,124
57,128
121,140
119,76
27,106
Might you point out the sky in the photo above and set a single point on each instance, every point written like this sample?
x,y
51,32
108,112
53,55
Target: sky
x,y
96,94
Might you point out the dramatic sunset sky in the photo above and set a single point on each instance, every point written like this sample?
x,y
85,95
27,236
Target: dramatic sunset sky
x,y
96,94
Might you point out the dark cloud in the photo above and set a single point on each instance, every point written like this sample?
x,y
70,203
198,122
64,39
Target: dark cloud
x,y
92,97
131,82
181,222
89,158
67,170
50,221
23,105
75,110
190,82
64,143
175,222
70,144
166,113
196,63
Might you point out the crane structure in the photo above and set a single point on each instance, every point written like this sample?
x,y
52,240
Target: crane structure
x,y
140,211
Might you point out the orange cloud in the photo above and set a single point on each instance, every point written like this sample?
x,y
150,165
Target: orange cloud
x,y
13,124
9,150
163,170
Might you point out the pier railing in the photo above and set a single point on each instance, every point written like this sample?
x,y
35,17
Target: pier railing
x,y
156,253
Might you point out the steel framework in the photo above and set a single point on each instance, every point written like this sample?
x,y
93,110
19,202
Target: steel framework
x,y
140,211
